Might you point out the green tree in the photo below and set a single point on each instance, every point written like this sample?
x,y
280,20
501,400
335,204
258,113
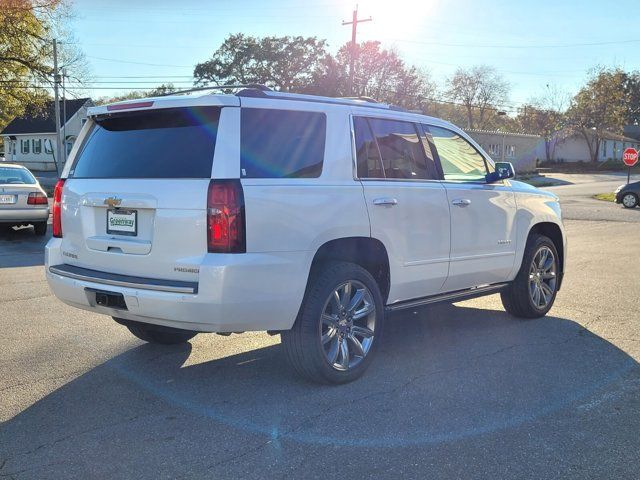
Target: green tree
x,y
601,105
27,28
284,63
378,73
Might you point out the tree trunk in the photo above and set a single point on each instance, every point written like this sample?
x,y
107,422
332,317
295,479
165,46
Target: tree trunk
x,y
585,135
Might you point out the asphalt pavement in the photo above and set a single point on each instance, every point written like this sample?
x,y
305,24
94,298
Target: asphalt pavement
x,y
458,391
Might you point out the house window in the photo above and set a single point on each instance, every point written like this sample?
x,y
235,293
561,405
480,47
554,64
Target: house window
x,y
24,146
48,147
37,145
494,150
510,151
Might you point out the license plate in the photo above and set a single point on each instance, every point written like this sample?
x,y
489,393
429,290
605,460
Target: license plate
x,y
7,199
122,222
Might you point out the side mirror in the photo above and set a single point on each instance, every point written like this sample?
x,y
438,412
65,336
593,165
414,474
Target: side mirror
x,y
504,170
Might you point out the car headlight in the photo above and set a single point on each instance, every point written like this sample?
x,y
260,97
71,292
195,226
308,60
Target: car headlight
x,y
619,188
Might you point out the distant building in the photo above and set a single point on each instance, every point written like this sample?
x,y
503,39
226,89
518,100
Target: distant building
x,y
31,140
517,148
572,147
632,131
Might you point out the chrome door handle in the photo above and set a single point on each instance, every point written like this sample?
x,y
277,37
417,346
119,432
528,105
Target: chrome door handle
x,y
461,202
385,201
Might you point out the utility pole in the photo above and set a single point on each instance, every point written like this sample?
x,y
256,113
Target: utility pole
x,y
354,27
56,80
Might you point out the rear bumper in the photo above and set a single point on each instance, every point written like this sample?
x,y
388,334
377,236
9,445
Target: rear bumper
x,y
24,215
234,293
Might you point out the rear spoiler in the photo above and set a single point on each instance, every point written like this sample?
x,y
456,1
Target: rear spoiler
x,y
173,101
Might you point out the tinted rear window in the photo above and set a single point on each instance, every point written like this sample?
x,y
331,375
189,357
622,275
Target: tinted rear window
x,y
166,143
281,143
15,176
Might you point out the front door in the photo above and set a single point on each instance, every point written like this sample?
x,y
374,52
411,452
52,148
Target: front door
x,y
482,215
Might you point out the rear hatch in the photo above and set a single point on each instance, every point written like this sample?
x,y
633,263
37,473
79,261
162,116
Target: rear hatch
x,y
136,194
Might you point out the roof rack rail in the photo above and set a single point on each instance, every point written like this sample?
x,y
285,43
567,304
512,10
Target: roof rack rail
x,y
301,97
364,98
250,86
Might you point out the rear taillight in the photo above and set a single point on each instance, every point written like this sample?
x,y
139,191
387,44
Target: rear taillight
x,y
57,209
225,217
37,198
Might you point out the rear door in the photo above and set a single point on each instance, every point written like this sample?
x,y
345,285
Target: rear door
x,y
482,215
407,204
136,194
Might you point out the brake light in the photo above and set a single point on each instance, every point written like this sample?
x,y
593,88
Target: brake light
x,y
57,209
37,198
225,217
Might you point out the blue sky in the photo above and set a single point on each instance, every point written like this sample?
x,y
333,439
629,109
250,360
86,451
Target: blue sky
x,y
533,44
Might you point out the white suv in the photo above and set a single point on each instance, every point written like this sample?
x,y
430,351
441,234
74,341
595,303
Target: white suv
x,y
306,216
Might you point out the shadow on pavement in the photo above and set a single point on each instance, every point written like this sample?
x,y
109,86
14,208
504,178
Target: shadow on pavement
x,y
445,374
21,247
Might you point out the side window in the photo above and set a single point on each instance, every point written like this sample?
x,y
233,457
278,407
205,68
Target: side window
x,y
392,149
37,145
400,148
281,143
367,153
24,146
459,159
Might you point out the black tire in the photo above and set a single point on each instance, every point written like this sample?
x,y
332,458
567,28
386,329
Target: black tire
x,y
634,204
157,334
303,344
516,298
40,228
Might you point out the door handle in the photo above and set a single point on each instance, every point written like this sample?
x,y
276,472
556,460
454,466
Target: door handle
x,y
461,202
385,201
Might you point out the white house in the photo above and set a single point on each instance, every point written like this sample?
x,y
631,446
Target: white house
x,y
572,147
31,140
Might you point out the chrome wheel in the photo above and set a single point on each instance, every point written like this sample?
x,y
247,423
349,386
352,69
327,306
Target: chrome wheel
x,y
629,200
348,325
542,277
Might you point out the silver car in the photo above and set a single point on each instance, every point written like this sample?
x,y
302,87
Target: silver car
x,y
22,199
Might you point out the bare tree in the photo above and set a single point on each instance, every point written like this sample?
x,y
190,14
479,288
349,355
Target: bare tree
x,y
545,116
479,89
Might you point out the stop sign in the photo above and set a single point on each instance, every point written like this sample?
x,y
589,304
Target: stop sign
x,y
630,157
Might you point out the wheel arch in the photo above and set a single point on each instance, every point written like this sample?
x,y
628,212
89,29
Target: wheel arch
x,y
367,252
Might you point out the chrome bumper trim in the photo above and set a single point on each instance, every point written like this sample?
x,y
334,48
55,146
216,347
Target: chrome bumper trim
x,y
127,281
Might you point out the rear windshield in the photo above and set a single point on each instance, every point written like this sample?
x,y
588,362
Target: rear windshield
x,y
167,143
16,176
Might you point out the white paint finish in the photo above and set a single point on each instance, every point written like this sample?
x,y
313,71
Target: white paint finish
x,y
534,206
235,293
415,232
226,157
483,234
171,216
287,221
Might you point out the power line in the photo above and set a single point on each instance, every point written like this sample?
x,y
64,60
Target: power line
x,y
139,63
475,45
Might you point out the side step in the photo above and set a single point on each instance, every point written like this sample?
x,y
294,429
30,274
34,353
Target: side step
x,y
456,296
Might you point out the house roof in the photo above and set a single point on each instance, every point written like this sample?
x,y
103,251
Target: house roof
x,y
45,122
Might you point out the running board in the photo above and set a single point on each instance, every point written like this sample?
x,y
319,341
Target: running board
x,y
447,297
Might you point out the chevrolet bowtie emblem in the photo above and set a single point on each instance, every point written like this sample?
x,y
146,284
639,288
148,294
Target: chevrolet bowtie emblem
x,y
113,202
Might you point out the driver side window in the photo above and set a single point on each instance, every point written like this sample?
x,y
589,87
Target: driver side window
x,y
459,159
